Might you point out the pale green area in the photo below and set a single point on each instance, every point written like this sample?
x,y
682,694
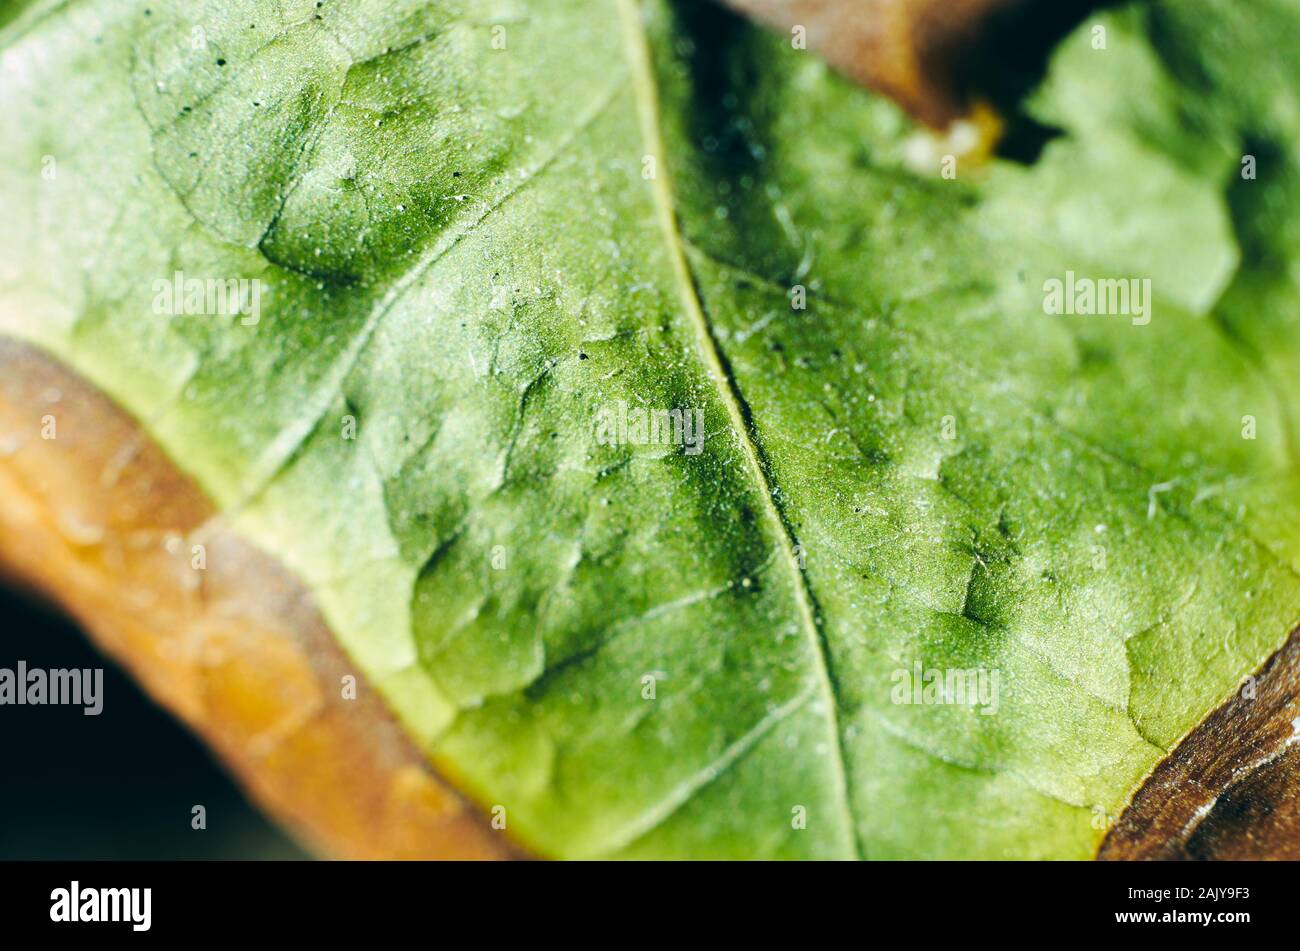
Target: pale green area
x,y
461,253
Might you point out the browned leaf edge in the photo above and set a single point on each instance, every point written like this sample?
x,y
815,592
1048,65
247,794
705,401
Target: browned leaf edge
x,y
1231,788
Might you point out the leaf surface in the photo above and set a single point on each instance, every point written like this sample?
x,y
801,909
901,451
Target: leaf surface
x,y
479,226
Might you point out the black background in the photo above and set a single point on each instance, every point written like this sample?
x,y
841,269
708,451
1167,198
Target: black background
x,y
120,785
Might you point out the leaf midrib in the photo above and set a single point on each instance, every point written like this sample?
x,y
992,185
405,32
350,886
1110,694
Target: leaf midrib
x,y
647,104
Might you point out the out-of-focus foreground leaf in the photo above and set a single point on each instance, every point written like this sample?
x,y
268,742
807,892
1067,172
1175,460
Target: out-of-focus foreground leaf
x,y
480,226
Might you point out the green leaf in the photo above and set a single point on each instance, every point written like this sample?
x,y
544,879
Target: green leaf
x,y
463,252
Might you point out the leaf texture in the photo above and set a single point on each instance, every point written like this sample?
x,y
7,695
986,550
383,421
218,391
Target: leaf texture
x,y
480,225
